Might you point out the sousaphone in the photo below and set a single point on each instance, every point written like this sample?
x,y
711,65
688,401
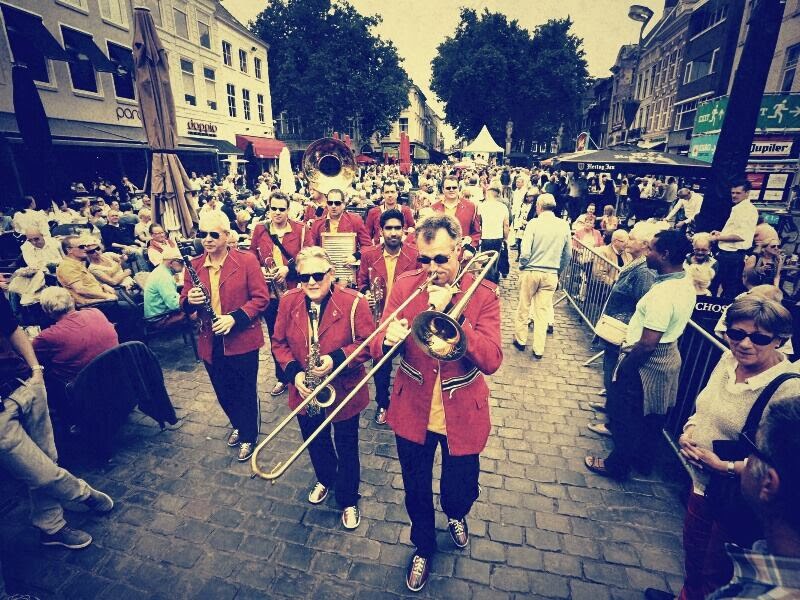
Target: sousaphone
x,y
329,164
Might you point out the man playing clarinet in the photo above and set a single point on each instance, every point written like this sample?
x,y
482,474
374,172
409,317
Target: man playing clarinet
x,y
275,245
437,403
323,323
380,267
230,298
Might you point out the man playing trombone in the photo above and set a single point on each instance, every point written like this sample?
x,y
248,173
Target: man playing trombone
x,y
323,323
440,402
275,245
380,267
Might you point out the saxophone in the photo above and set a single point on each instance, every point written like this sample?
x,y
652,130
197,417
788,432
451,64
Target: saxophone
x,y
207,306
326,396
270,269
377,289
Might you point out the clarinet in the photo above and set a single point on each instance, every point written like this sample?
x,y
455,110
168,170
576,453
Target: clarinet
x,y
199,284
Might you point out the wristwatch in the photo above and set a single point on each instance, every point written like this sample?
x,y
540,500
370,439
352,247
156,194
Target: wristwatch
x,y
731,469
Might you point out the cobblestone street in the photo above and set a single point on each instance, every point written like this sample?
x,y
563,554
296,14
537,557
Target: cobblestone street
x,y
190,523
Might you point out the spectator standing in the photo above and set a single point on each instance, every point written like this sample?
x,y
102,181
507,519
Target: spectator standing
x,y
701,252
735,239
494,225
688,201
544,251
30,218
765,267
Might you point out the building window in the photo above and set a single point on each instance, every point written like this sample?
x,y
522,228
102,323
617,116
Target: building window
x,y
23,48
260,105
243,61
114,11
205,34
155,9
81,71
790,67
710,16
684,115
257,67
403,125
687,72
231,100
226,54
123,78
181,24
701,67
187,75
76,3
246,103
211,87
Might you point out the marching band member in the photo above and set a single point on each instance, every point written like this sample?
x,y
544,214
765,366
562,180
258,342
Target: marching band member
x,y
316,209
440,403
234,297
277,244
344,321
387,261
390,195
339,221
464,211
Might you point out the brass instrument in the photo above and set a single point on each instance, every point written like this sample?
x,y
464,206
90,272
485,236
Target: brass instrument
x,y
327,395
484,260
329,164
377,289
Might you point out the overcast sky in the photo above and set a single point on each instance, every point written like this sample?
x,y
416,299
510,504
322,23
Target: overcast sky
x,y
417,27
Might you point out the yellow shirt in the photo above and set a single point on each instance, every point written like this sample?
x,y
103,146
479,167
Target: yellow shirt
x,y
436,422
213,277
333,226
277,255
450,210
391,265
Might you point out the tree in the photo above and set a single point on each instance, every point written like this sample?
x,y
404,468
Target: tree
x,y
492,71
327,67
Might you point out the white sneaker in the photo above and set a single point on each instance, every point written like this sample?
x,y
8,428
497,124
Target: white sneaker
x,y
318,494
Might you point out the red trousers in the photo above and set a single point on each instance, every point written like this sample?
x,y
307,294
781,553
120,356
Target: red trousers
x,y
708,566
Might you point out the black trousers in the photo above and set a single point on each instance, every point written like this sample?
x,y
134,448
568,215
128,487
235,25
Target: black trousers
x,y
234,381
636,435
458,486
336,462
270,315
494,273
382,379
730,266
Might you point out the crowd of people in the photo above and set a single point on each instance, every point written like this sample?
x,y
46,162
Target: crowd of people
x,y
266,254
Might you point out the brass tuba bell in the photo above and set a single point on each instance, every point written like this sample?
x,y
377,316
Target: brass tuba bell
x,y
329,164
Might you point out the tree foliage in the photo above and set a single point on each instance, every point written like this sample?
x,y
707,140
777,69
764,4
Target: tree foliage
x,y
326,66
492,71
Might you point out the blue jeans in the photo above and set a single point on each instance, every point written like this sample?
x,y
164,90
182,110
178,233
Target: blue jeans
x,y
28,453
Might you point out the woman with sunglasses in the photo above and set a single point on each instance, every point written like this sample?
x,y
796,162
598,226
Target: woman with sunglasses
x,y
765,267
278,242
756,328
107,267
344,320
229,339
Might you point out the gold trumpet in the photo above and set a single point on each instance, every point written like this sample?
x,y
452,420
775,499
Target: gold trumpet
x,y
437,337
377,289
270,269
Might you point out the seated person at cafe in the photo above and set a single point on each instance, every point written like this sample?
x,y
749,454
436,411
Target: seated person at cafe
x,y
161,297
39,250
107,268
120,238
158,243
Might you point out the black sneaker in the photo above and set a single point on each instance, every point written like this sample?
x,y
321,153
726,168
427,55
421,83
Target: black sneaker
x,y
459,532
417,573
99,502
518,346
74,539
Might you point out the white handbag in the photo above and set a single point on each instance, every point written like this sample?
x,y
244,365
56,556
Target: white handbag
x,y
611,330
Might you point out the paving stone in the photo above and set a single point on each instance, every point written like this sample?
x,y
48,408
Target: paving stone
x,y
549,586
510,580
486,550
225,539
473,570
218,589
562,564
507,534
583,590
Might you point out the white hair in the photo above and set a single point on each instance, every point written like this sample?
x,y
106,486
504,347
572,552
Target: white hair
x,y
56,301
644,231
214,220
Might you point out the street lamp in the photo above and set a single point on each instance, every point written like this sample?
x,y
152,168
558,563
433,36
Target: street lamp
x,y
640,14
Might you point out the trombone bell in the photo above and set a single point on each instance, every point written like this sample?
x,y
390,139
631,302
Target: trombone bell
x,y
439,335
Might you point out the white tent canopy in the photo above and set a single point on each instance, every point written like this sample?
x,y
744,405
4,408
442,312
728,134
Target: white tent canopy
x,y
483,143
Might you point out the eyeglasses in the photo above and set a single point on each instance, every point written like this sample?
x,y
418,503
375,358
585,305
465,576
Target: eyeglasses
x,y
451,187
82,246
278,208
774,246
759,339
307,277
214,235
439,259
753,448
393,228
92,250
335,202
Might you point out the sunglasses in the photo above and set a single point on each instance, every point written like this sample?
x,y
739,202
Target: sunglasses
x,y
773,246
753,449
451,187
277,208
335,202
93,251
214,235
307,277
759,339
439,259
82,246
393,228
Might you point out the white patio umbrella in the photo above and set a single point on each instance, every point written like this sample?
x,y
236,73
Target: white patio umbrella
x,y
285,172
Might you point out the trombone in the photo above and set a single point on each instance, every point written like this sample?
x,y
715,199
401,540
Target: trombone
x,y
440,336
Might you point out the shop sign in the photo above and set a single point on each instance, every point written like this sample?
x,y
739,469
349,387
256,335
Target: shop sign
x,y
201,128
703,147
771,148
778,112
127,113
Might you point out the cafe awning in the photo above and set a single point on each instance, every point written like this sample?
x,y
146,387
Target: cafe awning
x,y
262,147
222,146
421,153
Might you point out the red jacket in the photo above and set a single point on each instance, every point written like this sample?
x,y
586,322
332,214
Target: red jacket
x,y
348,223
465,396
373,224
467,215
243,295
292,242
310,213
373,257
347,312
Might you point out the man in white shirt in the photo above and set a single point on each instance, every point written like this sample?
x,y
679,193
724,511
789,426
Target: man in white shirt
x,y
39,251
690,202
735,239
494,224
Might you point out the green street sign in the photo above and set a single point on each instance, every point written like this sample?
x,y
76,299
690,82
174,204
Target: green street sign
x,y
778,113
